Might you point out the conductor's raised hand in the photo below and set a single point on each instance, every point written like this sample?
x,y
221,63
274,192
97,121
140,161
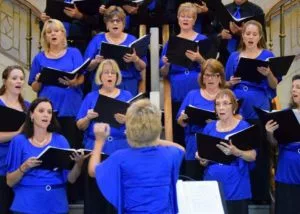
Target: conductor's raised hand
x,y
101,131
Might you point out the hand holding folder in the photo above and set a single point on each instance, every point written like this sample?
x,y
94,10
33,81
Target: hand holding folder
x,y
177,48
289,126
108,107
247,68
52,76
198,116
245,139
117,52
60,158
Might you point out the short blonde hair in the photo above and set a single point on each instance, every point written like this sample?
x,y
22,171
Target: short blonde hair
x,y
115,68
215,67
143,123
187,7
50,24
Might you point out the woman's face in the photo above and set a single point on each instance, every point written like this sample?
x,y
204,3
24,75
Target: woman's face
x,y
224,108
108,76
296,92
211,80
251,36
186,20
42,115
115,25
55,36
15,82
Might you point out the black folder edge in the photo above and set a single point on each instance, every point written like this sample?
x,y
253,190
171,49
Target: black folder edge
x,y
227,159
46,71
190,109
67,150
243,62
173,40
267,116
20,114
102,99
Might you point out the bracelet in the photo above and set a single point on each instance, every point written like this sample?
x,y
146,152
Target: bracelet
x,y
20,169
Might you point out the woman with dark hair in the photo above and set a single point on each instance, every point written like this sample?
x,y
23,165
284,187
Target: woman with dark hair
x,y
234,177
287,177
13,78
39,190
114,18
211,80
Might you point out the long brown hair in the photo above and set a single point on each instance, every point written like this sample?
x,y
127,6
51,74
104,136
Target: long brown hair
x,y
5,75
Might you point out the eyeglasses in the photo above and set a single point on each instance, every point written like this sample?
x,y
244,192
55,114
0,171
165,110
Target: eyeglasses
x,y
115,21
213,76
109,72
226,104
186,17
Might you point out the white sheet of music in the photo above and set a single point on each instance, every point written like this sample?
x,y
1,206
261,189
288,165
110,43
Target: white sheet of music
x,y
199,197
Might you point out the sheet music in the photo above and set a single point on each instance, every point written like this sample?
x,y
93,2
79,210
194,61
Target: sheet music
x,y
199,197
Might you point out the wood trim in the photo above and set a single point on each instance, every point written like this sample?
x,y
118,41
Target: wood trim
x,y
34,9
167,94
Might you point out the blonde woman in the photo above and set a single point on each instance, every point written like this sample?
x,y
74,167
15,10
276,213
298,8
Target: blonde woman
x,y
66,100
141,179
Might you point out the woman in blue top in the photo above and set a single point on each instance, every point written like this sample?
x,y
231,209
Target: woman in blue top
x,y
234,177
141,179
66,100
39,190
114,18
13,78
254,94
211,81
288,169
183,79
109,77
